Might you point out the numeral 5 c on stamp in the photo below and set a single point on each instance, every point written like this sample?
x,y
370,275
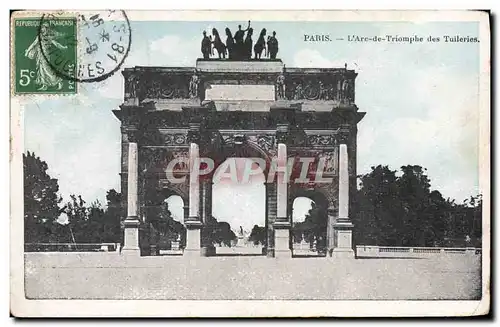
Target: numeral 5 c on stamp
x,y
39,46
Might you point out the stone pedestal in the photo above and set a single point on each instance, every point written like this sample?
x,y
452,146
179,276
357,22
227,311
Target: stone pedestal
x,y
193,239
131,236
282,240
343,237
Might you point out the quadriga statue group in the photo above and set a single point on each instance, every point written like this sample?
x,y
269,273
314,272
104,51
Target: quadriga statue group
x,y
239,46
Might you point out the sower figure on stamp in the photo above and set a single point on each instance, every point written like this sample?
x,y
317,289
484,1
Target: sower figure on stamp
x,y
45,76
218,45
238,41
272,46
260,45
206,46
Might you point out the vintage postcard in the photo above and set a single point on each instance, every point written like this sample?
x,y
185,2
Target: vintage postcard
x,y
250,163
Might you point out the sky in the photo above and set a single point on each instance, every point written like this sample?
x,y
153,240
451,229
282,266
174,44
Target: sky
x,y
421,102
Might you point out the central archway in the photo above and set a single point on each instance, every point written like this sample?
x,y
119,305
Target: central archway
x,y
239,207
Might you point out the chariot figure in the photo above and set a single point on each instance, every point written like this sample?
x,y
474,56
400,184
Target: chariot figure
x,y
218,45
206,46
238,41
45,76
230,44
247,46
272,46
260,45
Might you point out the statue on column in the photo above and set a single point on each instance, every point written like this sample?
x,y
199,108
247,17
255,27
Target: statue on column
x,y
218,45
206,46
280,86
272,46
260,45
339,95
193,85
132,86
347,91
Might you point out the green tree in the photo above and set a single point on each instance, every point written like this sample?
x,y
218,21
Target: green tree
x,y
220,232
258,235
403,211
414,194
113,215
377,208
78,216
41,201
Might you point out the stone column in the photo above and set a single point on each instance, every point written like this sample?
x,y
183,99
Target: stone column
x,y
131,223
270,217
282,224
207,248
193,223
343,226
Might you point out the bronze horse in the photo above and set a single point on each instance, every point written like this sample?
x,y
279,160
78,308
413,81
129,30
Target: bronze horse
x,y
247,45
218,45
229,44
260,45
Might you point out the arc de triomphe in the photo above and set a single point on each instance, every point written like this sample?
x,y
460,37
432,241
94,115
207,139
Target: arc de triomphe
x,y
225,108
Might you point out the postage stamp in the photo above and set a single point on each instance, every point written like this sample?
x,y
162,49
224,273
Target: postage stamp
x,y
250,163
40,44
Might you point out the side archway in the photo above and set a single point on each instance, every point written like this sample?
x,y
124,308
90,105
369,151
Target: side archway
x,y
312,228
164,212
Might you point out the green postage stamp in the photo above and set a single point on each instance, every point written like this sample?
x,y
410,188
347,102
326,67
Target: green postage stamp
x,y
44,55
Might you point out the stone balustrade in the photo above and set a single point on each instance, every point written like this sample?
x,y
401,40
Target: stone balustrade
x,y
72,247
370,251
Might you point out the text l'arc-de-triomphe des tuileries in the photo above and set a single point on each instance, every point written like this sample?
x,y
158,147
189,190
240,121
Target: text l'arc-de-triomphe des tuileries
x,y
224,108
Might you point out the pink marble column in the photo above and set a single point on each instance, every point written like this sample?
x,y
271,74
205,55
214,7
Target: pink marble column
x,y
343,225
193,223
282,224
131,223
